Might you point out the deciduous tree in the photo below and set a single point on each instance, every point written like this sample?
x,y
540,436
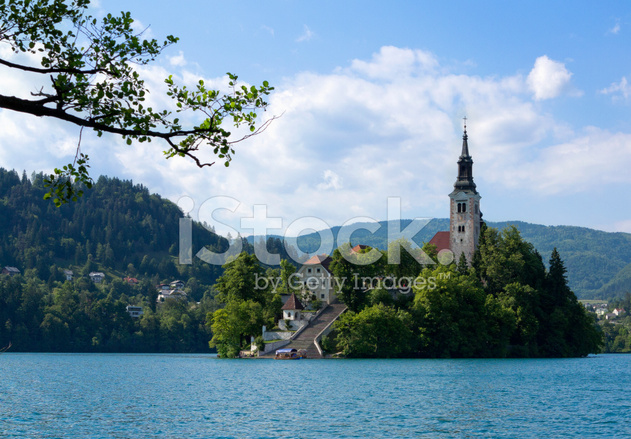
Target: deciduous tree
x,y
87,74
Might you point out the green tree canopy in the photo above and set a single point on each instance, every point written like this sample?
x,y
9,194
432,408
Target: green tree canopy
x,y
376,331
87,76
239,280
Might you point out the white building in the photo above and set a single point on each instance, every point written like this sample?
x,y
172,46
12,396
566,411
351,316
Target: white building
x,y
317,278
134,311
97,277
171,294
292,309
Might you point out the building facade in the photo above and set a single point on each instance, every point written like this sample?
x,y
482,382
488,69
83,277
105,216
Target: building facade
x,y
317,278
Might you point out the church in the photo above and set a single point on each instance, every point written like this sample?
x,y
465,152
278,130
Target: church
x,y
465,216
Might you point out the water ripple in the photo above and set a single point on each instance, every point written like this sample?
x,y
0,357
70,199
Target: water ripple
x,y
198,396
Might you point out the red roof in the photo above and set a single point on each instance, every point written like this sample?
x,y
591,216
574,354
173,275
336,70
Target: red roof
x,y
323,260
359,247
441,241
292,303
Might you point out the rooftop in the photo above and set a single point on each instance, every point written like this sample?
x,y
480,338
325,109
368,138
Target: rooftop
x,y
292,303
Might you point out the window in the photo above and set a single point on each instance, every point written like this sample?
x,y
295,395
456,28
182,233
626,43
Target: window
x,y
460,229
321,296
462,207
317,270
308,270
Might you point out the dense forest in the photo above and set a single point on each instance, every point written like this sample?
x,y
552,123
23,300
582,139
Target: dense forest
x,y
598,263
617,333
116,228
506,304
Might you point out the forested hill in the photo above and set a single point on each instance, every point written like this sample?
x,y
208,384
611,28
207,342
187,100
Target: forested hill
x,y
598,263
116,227
130,232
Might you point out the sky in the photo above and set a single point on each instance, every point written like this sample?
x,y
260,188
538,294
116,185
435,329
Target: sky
x,y
371,98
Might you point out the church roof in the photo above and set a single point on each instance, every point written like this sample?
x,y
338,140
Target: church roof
x,y
323,260
465,144
359,247
441,241
292,303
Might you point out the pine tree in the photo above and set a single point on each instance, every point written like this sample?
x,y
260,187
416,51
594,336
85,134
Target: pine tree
x,y
462,267
556,280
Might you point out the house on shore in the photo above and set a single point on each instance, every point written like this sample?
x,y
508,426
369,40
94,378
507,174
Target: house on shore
x,y
317,278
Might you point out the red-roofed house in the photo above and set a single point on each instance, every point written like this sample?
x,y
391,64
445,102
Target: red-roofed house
x,y
317,278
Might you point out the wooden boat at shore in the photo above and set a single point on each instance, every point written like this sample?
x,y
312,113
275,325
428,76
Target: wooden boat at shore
x,y
290,354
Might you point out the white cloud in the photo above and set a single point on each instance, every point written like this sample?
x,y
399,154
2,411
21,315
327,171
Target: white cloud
x,y
331,181
307,34
594,158
143,31
268,29
619,90
178,60
548,78
616,29
348,140
393,62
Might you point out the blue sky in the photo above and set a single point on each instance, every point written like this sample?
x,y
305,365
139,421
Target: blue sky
x,y
372,96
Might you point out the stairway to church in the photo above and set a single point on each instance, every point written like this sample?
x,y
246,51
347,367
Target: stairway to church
x,y
305,340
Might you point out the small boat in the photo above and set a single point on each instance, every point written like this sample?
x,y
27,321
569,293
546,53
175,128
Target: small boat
x,y
290,354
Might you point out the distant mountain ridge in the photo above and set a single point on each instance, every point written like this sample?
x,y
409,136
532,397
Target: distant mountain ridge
x,y
130,231
598,263
115,227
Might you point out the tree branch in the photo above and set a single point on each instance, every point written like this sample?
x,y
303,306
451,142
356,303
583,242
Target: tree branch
x,y
53,70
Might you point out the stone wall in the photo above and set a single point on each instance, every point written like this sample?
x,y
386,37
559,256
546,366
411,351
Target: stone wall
x,y
271,347
277,335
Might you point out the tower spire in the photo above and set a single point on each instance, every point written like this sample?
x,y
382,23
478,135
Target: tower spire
x,y
465,142
465,165
465,215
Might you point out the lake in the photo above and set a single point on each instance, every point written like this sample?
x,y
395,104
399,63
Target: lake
x,y
200,396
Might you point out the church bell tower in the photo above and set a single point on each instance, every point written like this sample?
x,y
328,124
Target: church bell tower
x,y
465,217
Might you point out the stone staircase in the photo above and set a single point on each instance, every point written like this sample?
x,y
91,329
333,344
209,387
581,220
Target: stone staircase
x,y
305,340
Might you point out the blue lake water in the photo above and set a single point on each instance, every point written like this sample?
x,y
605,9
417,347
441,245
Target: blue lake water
x,y
199,396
